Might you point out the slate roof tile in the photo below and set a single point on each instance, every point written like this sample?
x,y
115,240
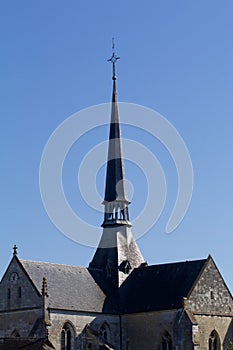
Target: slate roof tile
x,y
25,344
147,288
69,287
159,287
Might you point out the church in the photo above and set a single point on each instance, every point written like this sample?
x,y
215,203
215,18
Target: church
x,y
119,301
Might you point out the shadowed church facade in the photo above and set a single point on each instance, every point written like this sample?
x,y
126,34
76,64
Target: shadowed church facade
x,y
118,302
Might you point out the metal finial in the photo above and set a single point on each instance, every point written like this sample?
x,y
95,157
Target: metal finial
x,y
113,60
15,250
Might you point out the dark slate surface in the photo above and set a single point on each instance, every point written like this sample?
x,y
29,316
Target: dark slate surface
x,y
69,287
115,174
159,287
151,288
25,344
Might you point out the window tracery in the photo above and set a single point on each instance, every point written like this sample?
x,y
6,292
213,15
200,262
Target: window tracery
x,y
67,337
166,341
214,341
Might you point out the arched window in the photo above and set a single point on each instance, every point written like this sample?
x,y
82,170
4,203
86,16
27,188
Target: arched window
x,y
15,333
214,341
105,332
166,341
67,337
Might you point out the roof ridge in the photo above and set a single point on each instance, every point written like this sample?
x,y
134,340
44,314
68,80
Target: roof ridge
x,y
50,263
177,262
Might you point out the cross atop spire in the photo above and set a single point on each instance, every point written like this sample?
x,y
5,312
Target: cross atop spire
x,y
113,60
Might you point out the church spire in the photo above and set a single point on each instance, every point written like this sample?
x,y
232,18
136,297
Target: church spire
x,y
115,199
117,253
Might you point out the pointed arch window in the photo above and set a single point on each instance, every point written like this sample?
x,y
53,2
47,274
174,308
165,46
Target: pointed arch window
x,y
67,337
15,334
166,343
214,341
105,332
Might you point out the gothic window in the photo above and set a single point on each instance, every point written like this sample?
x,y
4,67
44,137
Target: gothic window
x,y
14,277
166,341
15,334
19,292
105,332
214,342
67,337
8,293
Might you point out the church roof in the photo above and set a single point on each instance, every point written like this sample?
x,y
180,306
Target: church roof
x,y
26,344
69,287
159,287
150,288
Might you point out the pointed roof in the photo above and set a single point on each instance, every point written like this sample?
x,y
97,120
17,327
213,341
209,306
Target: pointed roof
x,y
115,189
69,287
117,253
159,287
115,258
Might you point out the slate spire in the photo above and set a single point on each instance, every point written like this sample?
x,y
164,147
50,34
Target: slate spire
x,y
117,253
115,199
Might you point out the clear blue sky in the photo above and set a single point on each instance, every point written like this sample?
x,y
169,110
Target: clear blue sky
x,y
176,57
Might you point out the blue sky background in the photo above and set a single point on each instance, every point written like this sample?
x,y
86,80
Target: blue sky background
x,y
176,58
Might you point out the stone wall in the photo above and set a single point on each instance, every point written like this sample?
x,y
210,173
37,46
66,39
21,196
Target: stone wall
x,y
16,290
145,330
78,322
20,303
207,324
25,322
211,304
210,295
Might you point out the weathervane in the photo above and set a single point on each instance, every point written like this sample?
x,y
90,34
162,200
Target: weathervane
x,y
113,60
